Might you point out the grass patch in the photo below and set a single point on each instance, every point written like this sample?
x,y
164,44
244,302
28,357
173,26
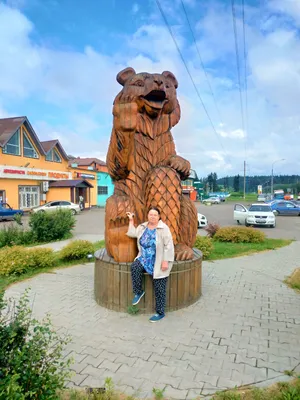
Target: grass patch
x,y
223,250
279,391
293,281
5,281
251,198
220,251
66,237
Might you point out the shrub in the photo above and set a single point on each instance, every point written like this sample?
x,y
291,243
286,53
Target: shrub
x,y
212,229
49,226
76,250
239,234
31,365
12,235
16,260
42,257
205,244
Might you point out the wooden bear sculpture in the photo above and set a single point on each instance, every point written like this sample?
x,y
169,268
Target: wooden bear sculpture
x,y
143,164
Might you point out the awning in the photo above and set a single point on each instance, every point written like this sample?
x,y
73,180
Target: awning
x,y
82,183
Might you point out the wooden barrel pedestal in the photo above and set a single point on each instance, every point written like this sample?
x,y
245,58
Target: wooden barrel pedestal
x,y
113,288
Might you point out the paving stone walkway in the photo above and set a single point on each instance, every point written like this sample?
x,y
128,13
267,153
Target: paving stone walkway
x,y
244,330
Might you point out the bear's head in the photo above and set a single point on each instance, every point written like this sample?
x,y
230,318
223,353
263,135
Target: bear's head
x,y
155,94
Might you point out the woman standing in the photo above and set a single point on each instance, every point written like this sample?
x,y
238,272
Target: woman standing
x,y
156,257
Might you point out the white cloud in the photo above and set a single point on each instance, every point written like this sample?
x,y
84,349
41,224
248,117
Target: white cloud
x,y
290,8
235,134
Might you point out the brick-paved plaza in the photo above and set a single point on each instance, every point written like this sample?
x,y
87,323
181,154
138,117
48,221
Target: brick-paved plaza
x,y
245,329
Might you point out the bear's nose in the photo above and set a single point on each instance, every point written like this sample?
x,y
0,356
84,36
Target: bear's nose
x,y
158,81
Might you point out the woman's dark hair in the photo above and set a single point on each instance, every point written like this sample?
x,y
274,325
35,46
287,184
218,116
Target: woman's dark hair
x,y
154,209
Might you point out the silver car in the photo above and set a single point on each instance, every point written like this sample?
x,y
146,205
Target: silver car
x,y
212,200
57,205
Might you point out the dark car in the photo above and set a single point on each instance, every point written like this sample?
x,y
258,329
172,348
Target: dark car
x,y
7,212
285,208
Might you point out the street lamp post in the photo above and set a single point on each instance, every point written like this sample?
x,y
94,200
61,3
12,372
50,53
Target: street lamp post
x,y
272,177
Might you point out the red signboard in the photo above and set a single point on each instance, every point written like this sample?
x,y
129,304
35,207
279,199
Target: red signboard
x,y
13,171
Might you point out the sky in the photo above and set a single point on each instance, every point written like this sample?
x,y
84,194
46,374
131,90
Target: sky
x,y
59,60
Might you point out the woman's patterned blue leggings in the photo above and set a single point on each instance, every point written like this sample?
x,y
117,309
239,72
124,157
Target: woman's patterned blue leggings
x,y
160,286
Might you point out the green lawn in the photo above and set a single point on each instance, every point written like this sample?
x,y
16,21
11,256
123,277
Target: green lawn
x,y
249,198
228,250
6,281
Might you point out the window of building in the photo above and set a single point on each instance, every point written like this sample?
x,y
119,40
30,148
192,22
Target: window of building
x,y
53,155
28,149
102,189
188,182
29,196
56,157
13,145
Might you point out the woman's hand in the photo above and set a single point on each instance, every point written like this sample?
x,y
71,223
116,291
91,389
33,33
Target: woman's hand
x,y
164,265
130,216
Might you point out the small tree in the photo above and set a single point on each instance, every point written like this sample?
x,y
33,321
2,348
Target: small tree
x,y
236,183
31,365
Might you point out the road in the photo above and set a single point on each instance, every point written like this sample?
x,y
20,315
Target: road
x,y
287,227
91,222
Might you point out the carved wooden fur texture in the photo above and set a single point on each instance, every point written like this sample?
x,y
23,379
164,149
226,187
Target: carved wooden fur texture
x,y
143,163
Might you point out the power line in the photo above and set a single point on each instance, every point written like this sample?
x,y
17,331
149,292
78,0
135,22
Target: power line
x,y
201,61
238,64
190,75
245,72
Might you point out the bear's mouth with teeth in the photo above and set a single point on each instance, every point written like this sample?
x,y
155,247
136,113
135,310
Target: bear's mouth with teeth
x,y
155,99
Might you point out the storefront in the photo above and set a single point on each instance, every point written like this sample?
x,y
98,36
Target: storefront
x,y
72,190
188,187
104,185
86,186
24,188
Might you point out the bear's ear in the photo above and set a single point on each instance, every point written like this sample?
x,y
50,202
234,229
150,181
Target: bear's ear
x,y
172,78
124,75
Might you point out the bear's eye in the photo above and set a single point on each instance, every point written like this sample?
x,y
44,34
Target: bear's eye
x,y
167,86
138,83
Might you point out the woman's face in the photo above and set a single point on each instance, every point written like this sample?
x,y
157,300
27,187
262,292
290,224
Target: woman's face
x,y
153,217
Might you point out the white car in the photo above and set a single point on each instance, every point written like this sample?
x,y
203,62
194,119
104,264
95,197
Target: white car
x,y
57,205
202,221
212,200
258,214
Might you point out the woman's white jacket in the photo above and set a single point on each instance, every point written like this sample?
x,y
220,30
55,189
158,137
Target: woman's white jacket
x,y
164,246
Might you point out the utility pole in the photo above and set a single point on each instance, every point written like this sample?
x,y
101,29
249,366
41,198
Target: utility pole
x,y
272,177
244,180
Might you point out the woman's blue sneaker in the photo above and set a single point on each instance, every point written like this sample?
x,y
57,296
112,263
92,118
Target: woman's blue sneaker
x,y
137,298
156,317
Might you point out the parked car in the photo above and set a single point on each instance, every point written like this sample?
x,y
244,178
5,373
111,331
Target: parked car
x,y
212,200
258,214
264,197
7,212
288,196
285,208
222,198
202,221
56,205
